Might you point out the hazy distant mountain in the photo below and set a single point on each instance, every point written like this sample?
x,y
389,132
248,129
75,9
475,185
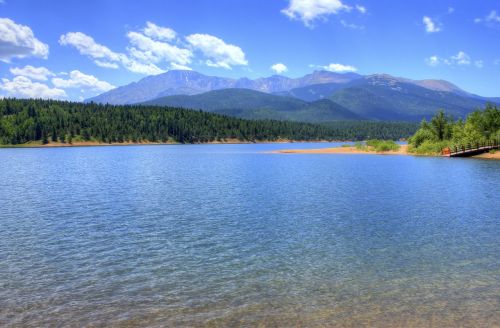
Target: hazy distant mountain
x,y
246,103
384,97
179,82
315,97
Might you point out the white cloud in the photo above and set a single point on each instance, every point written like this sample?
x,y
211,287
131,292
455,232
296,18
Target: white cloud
x,y
18,40
180,67
308,11
279,68
159,33
78,79
141,68
143,53
23,87
219,53
34,73
491,18
460,59
148,50
339,68
106,64
350,25
432,61
87,46
361,9
451,10
430,25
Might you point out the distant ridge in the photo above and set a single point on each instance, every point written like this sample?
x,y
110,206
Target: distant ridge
x,y
181,82
316,97
251,104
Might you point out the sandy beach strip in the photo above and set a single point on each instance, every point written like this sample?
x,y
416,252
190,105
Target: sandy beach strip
x,y
403,150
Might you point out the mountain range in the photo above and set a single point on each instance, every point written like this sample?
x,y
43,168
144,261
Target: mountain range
x,y
317,97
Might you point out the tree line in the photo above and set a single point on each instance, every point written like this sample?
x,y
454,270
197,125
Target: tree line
x,y
30,120
480,127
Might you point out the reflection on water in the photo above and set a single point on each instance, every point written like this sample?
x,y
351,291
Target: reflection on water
x,y
226,235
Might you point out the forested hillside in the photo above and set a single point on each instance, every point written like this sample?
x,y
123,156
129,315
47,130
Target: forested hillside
x,y
23,121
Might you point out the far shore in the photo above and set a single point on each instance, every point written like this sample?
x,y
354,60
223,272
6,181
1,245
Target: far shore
x,y
403,150
148,143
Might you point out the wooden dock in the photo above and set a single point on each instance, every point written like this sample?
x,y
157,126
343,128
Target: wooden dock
x,y
469,150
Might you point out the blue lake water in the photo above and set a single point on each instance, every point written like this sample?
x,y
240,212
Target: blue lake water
x,y
228,235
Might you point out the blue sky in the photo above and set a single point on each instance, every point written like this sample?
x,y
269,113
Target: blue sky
x,y
77,49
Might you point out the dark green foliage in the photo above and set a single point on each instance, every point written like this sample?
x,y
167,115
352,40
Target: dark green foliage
x,y
364,130
23,121
442,131
401,101
251,104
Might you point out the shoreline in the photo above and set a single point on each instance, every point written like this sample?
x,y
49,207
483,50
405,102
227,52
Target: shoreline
x,y
402,151
148,143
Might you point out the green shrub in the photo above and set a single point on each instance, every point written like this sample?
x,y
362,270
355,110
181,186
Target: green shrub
x,y
429,147
360,146
382,145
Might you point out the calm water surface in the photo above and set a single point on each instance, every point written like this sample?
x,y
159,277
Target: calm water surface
x,y
227,235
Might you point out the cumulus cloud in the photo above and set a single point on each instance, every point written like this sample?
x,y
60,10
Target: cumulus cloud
x,y
23,87
19,41
339,68
87,46
157,32
142,68
430,25
279,68
149,50
78,79
308,11
460,59
218,53
34,73
156,45
491,18
180,67
106,64
105,57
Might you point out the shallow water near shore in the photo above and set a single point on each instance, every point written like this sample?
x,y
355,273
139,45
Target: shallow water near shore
x,y
230,235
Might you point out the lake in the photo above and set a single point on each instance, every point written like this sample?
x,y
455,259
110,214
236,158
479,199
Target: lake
x,y
228,235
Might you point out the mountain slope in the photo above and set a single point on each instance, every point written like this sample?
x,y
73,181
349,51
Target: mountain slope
x,y
252,104
178,82
314,92
385,98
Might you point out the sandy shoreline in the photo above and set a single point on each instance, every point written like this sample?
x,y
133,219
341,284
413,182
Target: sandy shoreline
x,y
403,150
147,143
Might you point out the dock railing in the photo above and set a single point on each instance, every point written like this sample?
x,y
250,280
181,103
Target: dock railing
x,y
470,149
